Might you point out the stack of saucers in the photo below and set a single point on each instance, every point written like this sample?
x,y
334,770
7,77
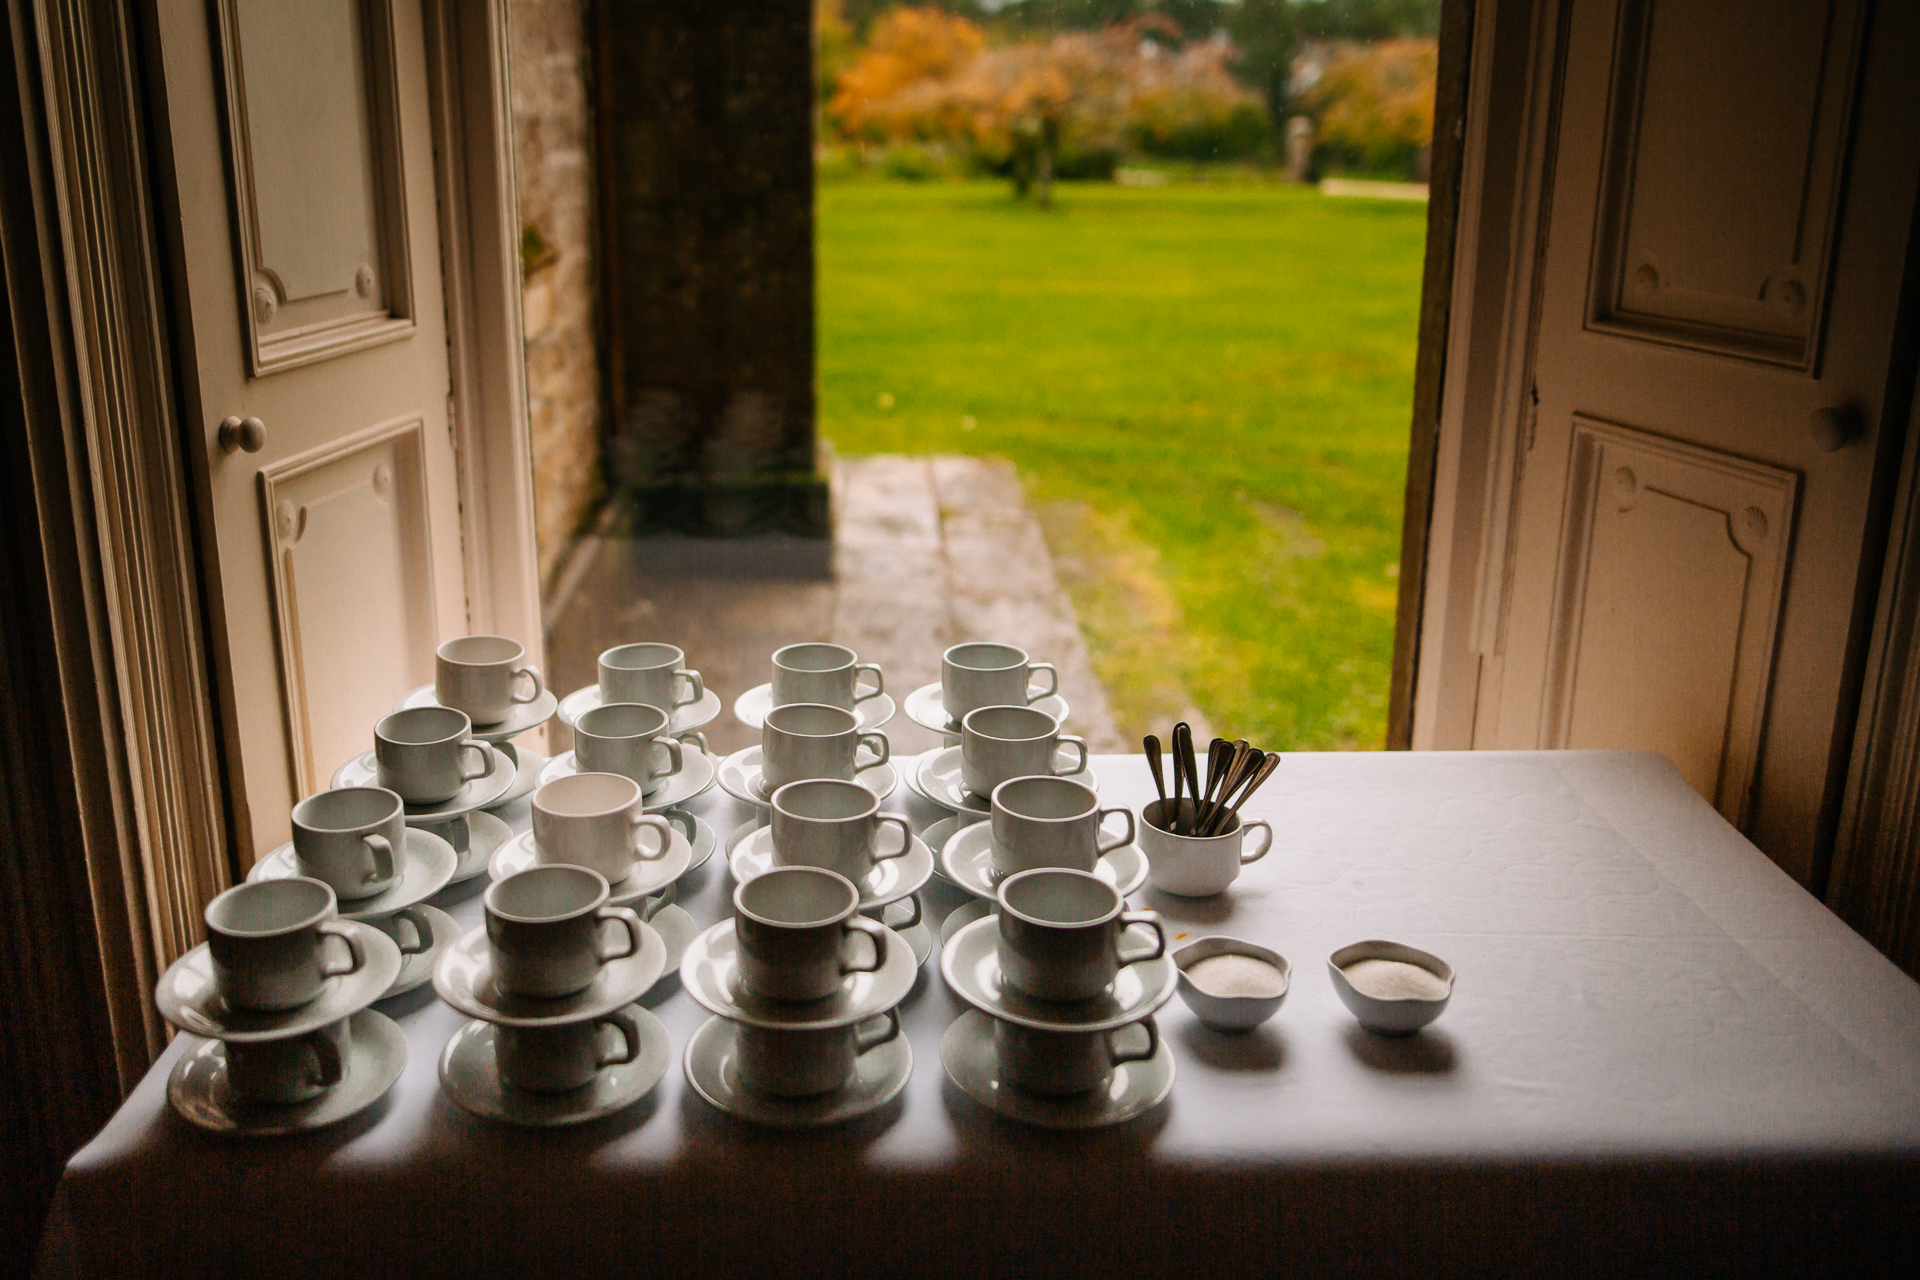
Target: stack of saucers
x,y
382,869
1064,982
804,990
279,995
551,980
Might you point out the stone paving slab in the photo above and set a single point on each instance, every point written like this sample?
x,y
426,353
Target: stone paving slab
x,y
928,552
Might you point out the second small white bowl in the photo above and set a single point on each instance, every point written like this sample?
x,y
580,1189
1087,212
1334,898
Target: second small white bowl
x,y
1395,1016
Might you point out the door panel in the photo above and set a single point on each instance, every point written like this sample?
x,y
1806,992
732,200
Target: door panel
x,y
300,146
1705,284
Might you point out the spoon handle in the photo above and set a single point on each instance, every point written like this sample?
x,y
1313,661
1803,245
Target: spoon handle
x,y
1260,775
1236,770
1152,745
1173,814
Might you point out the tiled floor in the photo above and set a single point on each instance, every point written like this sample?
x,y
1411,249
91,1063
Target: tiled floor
x,y
928,552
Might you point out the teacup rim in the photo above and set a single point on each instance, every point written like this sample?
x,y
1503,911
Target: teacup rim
x,y
853,899
838,784
549,870
666,721
966,725
1093,798
440,651
767,722
327,910
853,658
1024,660
571,782
462,731
679,658
1106,917
359,828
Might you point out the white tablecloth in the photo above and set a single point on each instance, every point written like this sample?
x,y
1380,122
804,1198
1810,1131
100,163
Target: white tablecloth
x,y
1660,1049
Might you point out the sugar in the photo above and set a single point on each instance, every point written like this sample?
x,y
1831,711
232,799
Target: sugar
x,y
1394,980
1236,975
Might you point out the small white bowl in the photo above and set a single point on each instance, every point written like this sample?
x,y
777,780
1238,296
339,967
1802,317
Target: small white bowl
x,y
1230,1013
1395,1017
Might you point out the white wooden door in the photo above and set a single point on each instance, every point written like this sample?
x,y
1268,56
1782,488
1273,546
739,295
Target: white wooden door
x,y
299,137
1730,208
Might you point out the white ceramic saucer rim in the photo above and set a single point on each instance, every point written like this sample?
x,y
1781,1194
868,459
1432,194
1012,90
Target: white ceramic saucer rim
x,y
523,716
678,940
884,989
967,1045
376,1055
603,995
1111,862
339,997
444,929
518,854
751,708
963,915
676,789
695,715
474,861
480,1090
984,933
742,788
925,707
916,869
474,795
893,1062
965,801
419,846
526,773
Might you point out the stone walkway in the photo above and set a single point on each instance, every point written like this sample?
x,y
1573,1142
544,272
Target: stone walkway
x,y
928,552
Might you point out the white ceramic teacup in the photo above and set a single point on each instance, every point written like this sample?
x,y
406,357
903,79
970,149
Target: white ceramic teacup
x,y
426,754
1050,822
805,740
545,928
630,739
979,674
798,1064
1196,866
1056,1063
1061,931
283,1072
793,925
824,673
825,822
650,674
998,743
595,820
267,942
351,837
476,674
559,1058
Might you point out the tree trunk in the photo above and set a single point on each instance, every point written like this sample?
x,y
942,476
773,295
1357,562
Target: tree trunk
x,y
1049,143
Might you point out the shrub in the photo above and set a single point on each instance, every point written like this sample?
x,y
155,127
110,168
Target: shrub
x,y
1374,104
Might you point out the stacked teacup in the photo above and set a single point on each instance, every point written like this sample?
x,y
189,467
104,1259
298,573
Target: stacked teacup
x,y
282,985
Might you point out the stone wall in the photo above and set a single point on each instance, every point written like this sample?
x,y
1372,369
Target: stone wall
x,y
550,62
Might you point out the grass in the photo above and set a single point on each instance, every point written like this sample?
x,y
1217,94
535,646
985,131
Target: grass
x,y
1206,388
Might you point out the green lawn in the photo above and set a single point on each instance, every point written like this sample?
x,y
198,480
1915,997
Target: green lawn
x,y
1206,388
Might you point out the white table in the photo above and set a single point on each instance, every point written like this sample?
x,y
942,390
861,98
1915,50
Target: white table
x,y
1660,1049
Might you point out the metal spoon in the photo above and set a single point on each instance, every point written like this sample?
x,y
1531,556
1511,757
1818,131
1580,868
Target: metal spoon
x,y
1260,775
1183,759
1218,753
1152,745
1173,813
1236,768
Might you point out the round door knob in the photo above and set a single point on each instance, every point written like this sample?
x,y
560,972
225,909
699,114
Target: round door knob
x,y
1835,427
242,433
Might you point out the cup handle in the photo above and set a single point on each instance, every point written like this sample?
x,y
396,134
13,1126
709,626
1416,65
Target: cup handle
x,y
1100,817
874,930
1053,681
1116,1056
628,921
884,750
906,836
1265,844
675,761
1151,919
623,1021
487,759
382,850
652,822
864,1040
422,931
651,907
685,820
1080,744
879,682
533,674
356,955
694,682
326,1056
699,740
911,920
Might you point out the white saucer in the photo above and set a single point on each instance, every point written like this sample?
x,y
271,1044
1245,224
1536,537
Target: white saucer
x,y
741,778
522,717
713,1070
376,1055
677,931
925,708
647,877
526,772
751,708
189,997
937,778
889,881
970,963
364,771
694,779
916,935
967,1052
965,914
485,834
471,1077
967,861
942,831
427,864
417,969
695,715
704,841
464,979
710,972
